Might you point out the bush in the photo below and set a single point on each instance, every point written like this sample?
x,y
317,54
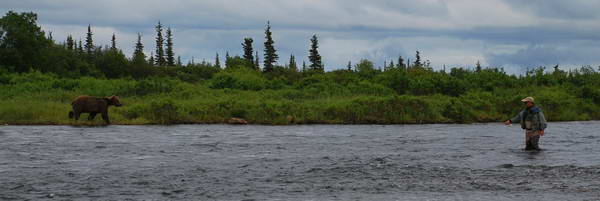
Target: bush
x,y
163,111
240,78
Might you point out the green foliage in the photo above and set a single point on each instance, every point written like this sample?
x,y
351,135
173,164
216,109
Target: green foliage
x,y
163,111
238,62
314,57
242,78
156,85
366,69
248,50
270,51
22,42
39,79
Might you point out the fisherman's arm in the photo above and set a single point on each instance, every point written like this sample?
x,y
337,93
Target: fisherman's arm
x,y
516,119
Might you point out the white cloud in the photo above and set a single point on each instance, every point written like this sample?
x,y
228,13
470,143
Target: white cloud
x,y
451,32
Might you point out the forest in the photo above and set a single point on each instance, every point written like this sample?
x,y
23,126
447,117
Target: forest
x,y
41,75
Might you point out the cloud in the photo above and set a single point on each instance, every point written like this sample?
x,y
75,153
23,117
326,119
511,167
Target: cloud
x,y
452,33
559,9
575,55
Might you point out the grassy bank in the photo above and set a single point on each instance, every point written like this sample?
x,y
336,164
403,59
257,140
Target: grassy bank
x,y
36,98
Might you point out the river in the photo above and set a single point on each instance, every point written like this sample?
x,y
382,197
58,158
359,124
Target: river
x,y
306,162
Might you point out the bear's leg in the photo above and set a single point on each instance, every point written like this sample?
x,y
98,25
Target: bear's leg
x,y
92,116
105,117
76,115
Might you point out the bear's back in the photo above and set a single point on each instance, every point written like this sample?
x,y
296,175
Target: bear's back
x,y
89,104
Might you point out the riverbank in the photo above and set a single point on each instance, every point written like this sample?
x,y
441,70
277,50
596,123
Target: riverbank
x,y
44,99
260,110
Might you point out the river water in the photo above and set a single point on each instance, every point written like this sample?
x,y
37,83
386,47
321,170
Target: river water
x,y
308,162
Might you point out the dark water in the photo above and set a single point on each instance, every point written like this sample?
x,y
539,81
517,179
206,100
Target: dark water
x,y
315,162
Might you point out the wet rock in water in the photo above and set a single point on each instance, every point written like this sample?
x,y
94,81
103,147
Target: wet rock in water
x,y
51,195
239,121
508,165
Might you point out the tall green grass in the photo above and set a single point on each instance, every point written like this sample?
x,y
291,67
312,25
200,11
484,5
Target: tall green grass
x,y
36,98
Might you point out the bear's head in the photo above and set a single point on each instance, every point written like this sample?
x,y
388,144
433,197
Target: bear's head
x,y
114,100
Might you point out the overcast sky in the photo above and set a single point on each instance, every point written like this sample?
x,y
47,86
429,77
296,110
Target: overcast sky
x,y
514,34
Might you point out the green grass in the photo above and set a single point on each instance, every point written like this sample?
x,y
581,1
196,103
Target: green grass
x,y
36,98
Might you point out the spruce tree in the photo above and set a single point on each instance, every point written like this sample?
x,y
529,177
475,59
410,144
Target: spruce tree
x,y
349,66
80,48
418,60
227,60
270,52
256,61
314,57
179,61
70,43
89,43
247,47
160,54
151,60
292,64
138,53
170,54
113,43
217,62
477,66
392,64
50,37
303,66
401,63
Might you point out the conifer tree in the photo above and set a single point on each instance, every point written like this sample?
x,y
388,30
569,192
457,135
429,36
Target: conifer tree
x,y
256,61
80,48
292,64
89,43
113,43
170,54
138,53
349,66
179,61
70,43
418,60
270,52
160,54
50,37
303,66
247,47
401,63
477,66
392,64
217,62
151,60
314,57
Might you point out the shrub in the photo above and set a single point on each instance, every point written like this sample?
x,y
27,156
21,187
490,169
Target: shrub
x,y
240,78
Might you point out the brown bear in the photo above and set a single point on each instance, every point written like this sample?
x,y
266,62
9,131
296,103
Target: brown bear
x,y
93,106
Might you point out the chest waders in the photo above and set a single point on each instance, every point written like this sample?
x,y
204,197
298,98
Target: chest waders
x,y
532,137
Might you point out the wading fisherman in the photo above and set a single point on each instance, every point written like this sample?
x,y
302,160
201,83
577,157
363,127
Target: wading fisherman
x,y
533,121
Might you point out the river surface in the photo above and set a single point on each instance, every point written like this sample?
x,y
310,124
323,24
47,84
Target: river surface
x,y
309,162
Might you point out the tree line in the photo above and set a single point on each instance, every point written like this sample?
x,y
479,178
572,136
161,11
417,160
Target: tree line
x,y
25,47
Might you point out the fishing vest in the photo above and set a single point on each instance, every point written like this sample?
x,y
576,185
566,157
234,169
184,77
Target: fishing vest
x,y
529,117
